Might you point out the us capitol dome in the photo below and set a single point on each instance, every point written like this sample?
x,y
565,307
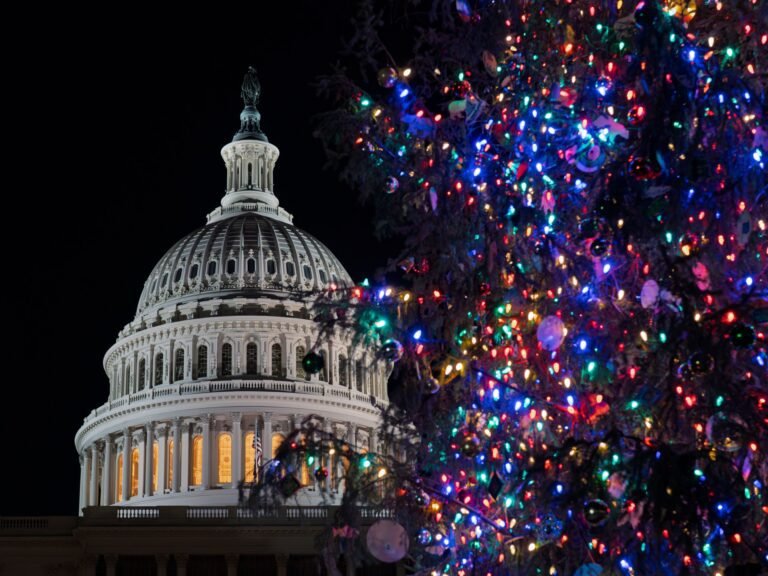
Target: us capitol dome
x,y
213,358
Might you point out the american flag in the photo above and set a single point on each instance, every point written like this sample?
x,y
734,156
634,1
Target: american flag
x,y
259,452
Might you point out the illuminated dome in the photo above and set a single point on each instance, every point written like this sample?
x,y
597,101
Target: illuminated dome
x,y
213,359
243,254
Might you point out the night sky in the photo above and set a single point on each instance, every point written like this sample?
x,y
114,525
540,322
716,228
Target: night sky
x,y
111,164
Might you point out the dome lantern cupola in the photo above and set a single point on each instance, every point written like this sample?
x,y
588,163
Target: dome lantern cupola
x,y
250,160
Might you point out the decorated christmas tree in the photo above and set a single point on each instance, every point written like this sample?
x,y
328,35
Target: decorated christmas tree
x,y
577,319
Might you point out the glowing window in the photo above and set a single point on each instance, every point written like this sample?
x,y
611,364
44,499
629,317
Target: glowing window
x,y
197,461
119,487
134,472
169,464
277,440
250,456
225,458
155,450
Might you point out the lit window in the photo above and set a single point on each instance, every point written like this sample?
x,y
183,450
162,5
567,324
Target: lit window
x,y
159,369
119,487
202,361
178,365
300,372
250,456
169,464
225,458
155,450
197,461
134,472
277,360
226,360
277,441
251,359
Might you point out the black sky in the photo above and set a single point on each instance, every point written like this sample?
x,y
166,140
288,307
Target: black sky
x,y
115,140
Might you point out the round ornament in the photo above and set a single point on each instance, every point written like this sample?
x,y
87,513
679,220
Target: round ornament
x,y
392,350
596,512
742,335
312,363
387,541
551,333
726,432
391,185
387,77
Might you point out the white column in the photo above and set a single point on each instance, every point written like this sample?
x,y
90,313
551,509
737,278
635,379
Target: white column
x,y
126,464
106,473
162,457
83,482
148,460
94,461
237,449
140,440
177,448
182,479
207,459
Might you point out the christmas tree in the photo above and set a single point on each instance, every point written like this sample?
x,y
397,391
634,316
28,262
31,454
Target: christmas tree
x,y
577,319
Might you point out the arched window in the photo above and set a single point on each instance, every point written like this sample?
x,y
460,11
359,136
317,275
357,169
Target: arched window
x,y
250,456
169,464
134,472
197,461
251,359
164,280
177,275
277,440
323,277
155,453
277,360
324,370
359,375
159,369
250,266
226,360
300,372
307,272
344,371
271,267
142,373
211,267
225,458
231,266
119,486
178,365
193,271
202,361
290,269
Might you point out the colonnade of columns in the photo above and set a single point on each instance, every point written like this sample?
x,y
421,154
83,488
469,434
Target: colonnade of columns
x,y
189,454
